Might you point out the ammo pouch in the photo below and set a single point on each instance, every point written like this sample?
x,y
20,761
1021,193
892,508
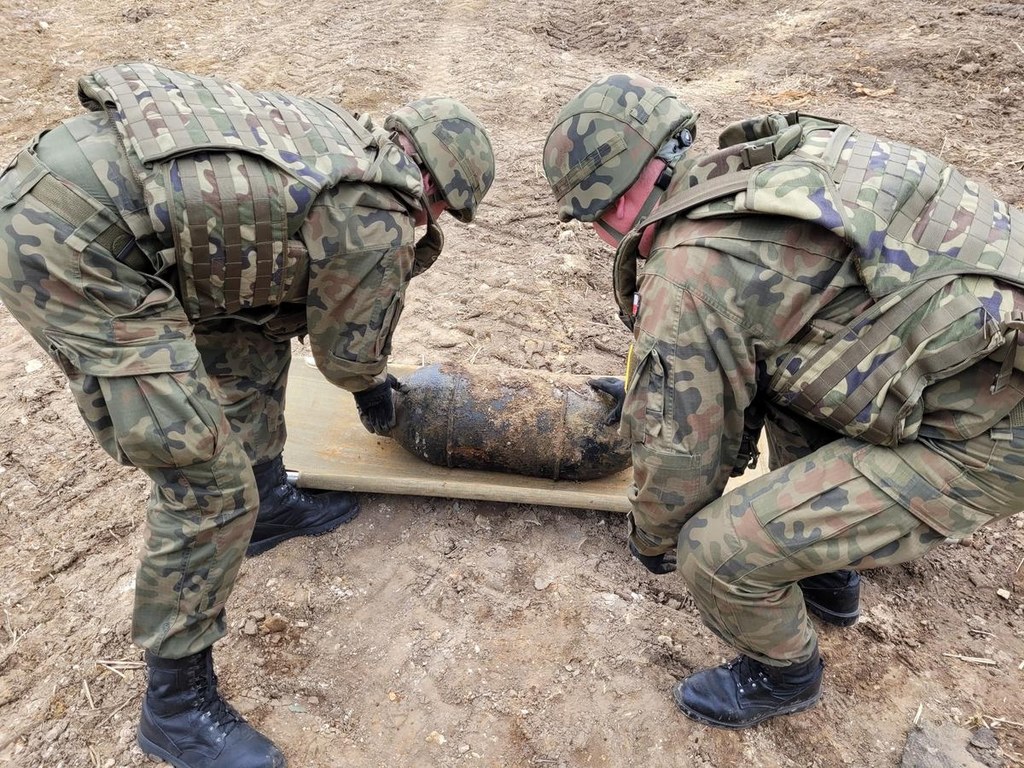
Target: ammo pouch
x,y
865,379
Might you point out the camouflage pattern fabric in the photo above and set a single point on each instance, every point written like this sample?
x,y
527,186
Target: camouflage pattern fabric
x,y
604,136
451,142
742,555
231,175
248,374
192,402
913,223
123,341
716,297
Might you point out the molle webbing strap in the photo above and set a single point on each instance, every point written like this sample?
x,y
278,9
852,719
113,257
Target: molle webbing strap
x,y
642,112
705,192
930,324
885,317
836,145
1010,350
222,270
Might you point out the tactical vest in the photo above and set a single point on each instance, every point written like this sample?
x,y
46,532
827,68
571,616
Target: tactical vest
x,y
230,174
913,224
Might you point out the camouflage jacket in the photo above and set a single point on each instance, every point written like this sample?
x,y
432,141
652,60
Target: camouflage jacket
x,y
786,251
282,210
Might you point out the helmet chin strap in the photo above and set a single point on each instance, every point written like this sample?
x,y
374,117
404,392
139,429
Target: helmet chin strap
x,y
653,198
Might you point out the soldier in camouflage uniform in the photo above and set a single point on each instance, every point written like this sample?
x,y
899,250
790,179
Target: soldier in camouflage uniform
x,y
861,298
164,248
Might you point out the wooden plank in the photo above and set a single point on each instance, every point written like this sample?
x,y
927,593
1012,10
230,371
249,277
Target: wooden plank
x,y
329,449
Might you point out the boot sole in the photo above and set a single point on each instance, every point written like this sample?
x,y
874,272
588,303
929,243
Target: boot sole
x,y
834,618
706,720
262,546
152,750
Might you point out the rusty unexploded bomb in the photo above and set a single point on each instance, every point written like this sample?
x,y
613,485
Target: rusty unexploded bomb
x,y
542,424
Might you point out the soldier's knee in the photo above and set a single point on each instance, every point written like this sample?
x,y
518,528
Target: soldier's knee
x,y
694,561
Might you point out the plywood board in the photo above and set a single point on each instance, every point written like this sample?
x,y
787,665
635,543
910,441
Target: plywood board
x,y
329,449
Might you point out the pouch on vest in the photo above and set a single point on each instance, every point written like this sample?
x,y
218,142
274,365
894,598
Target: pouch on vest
x,y
865,379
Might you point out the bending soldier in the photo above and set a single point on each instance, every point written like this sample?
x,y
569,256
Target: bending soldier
x,y
859,297
164,248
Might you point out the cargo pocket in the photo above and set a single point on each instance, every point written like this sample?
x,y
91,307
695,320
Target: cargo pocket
x,y
662,481
924,497
382,347
648,403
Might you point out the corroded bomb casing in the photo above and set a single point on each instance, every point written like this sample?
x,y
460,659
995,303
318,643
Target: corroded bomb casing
x,y
526,422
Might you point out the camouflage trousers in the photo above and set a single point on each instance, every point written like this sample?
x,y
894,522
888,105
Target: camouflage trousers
x,y
830,504
192,406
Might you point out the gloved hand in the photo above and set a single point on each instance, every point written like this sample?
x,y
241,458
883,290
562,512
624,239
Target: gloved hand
x,y
376,406
749,453
659,565
617,389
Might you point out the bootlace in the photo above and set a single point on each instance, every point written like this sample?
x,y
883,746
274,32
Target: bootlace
x,y
747,672
211,703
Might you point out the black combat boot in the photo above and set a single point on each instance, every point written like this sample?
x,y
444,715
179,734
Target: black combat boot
x,y
833,597
744,692
285,511
186,723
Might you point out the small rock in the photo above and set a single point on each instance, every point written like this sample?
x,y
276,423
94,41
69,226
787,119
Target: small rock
x,y
436,738
978,580
983,738
275,624
541,583
674,604
250,628
938,746
1003,593
972,68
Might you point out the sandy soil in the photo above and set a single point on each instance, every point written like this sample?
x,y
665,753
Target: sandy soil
x,y
431,632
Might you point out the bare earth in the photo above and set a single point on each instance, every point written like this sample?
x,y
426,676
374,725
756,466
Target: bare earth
x,y
431,632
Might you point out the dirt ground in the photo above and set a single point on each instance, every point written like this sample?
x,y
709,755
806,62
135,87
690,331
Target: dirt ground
x,y
433,632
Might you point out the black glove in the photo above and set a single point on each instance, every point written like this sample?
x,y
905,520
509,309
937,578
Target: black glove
x,y
656,564
617,389
377,406
749,453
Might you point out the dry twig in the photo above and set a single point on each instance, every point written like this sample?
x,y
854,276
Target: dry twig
x,y
997,721
971,659
88,693
116,665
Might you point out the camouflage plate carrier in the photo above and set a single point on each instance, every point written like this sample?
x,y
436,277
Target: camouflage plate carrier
x,y
913,223
231,174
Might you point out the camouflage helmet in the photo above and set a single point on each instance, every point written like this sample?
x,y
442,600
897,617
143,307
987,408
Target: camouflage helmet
x,y
452,143
603,138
